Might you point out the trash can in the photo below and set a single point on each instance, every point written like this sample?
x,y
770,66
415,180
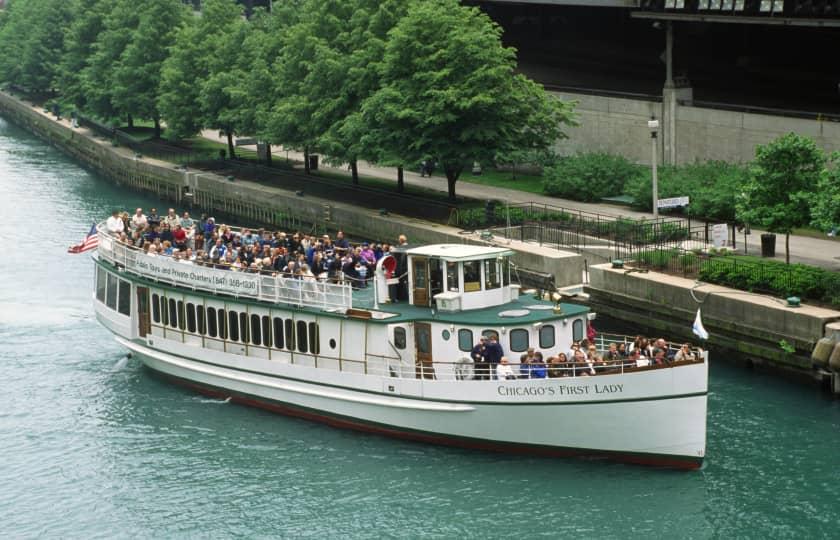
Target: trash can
x,y
768,245
313,162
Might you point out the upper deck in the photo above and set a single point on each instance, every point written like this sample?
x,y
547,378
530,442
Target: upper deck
x,y
446,282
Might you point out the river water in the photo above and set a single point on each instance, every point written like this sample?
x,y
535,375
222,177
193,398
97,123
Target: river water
x,y
92,445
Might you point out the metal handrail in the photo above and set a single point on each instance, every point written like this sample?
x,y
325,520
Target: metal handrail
x,y
278,288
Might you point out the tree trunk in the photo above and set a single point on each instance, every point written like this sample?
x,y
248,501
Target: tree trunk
x,y
130,121
452,175
400,180
787,248
157,128
306,159
268,154
354,170
231,150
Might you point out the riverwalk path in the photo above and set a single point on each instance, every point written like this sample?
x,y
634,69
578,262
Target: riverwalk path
x,y
822,252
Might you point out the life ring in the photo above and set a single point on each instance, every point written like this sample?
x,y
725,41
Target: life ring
x,y
464,368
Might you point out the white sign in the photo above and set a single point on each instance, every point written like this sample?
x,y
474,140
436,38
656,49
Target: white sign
x,y
672,202
720,235
190,275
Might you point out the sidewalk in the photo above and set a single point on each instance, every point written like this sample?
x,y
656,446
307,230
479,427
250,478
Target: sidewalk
x,y
820,252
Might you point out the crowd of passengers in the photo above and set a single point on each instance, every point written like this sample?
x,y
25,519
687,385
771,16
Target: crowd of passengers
x,y
204,242
582,359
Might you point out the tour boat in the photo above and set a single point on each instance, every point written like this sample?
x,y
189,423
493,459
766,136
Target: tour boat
x,y
366,359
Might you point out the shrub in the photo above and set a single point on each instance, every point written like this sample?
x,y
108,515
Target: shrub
x,y
774,277
712,185
589,177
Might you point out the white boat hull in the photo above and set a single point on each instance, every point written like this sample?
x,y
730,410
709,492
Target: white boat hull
x,y
653,417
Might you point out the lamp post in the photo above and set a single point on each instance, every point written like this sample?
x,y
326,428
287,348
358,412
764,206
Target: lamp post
x,y
653,126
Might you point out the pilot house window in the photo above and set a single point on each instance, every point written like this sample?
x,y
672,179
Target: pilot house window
x,y
472,276
492,279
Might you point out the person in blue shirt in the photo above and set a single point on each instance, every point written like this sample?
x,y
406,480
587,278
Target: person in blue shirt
x,y
493,354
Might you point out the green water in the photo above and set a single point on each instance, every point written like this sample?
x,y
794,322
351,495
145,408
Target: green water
x,y
92,445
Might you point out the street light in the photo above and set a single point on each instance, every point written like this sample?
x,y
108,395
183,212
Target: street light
x,y
653,126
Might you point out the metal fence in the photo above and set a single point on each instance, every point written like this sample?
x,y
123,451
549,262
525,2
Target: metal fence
x,y
772,278
612,237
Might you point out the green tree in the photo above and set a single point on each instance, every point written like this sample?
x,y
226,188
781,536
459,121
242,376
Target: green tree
x,y
97,78
181,73
777,194
449,93
825,210
32,42
137,73
79,39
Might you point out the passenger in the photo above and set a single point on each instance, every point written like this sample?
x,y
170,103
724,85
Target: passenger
x,y
114,224
595,359
179,237
172,219
187,222
138,220
504,372
581,366
558,366
538,368
659,358
622,350
494,353
479,358
685,353
524,366
166,233
612,353
153,218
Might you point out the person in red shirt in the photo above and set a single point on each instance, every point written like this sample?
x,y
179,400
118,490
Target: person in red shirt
x,y
179,236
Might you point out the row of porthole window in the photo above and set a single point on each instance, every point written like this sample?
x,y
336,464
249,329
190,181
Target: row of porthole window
x,y
113,291
519,337
237,326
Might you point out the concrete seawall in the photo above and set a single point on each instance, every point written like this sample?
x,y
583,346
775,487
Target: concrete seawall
x,y
747,325
270,205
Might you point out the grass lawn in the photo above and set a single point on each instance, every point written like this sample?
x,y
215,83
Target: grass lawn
x,y
387,185
505,179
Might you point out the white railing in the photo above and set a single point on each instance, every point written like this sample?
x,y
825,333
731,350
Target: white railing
x,y
273,288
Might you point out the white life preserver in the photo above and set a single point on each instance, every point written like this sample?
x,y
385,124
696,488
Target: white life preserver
x,y
464,368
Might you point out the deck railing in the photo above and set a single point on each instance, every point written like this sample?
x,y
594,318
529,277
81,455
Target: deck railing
x,y
269,288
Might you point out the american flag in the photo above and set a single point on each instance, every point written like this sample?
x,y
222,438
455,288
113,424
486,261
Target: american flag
x,y
90,242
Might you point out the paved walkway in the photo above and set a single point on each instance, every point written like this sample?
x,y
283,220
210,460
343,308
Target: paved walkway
x,y
823,252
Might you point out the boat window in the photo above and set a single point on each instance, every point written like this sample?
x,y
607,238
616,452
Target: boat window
x,y
124,304
220,316
505,270
266,330
111,297
182,319
211,322
314,338
518,340
233,325
547,336
202,322
191,317
465,339
243,326
472,276
290,334
256,330
101,278
173,313
399,337
155,308
490,333
491,274
164,311
278,332
452,277
301,336
577,330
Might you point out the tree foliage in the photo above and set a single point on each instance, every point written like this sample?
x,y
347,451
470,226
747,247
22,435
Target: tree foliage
x,y
777,194
825,209
449,93
32,42
79,38
590,177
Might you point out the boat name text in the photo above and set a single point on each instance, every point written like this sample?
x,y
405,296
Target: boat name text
x,y
564,390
